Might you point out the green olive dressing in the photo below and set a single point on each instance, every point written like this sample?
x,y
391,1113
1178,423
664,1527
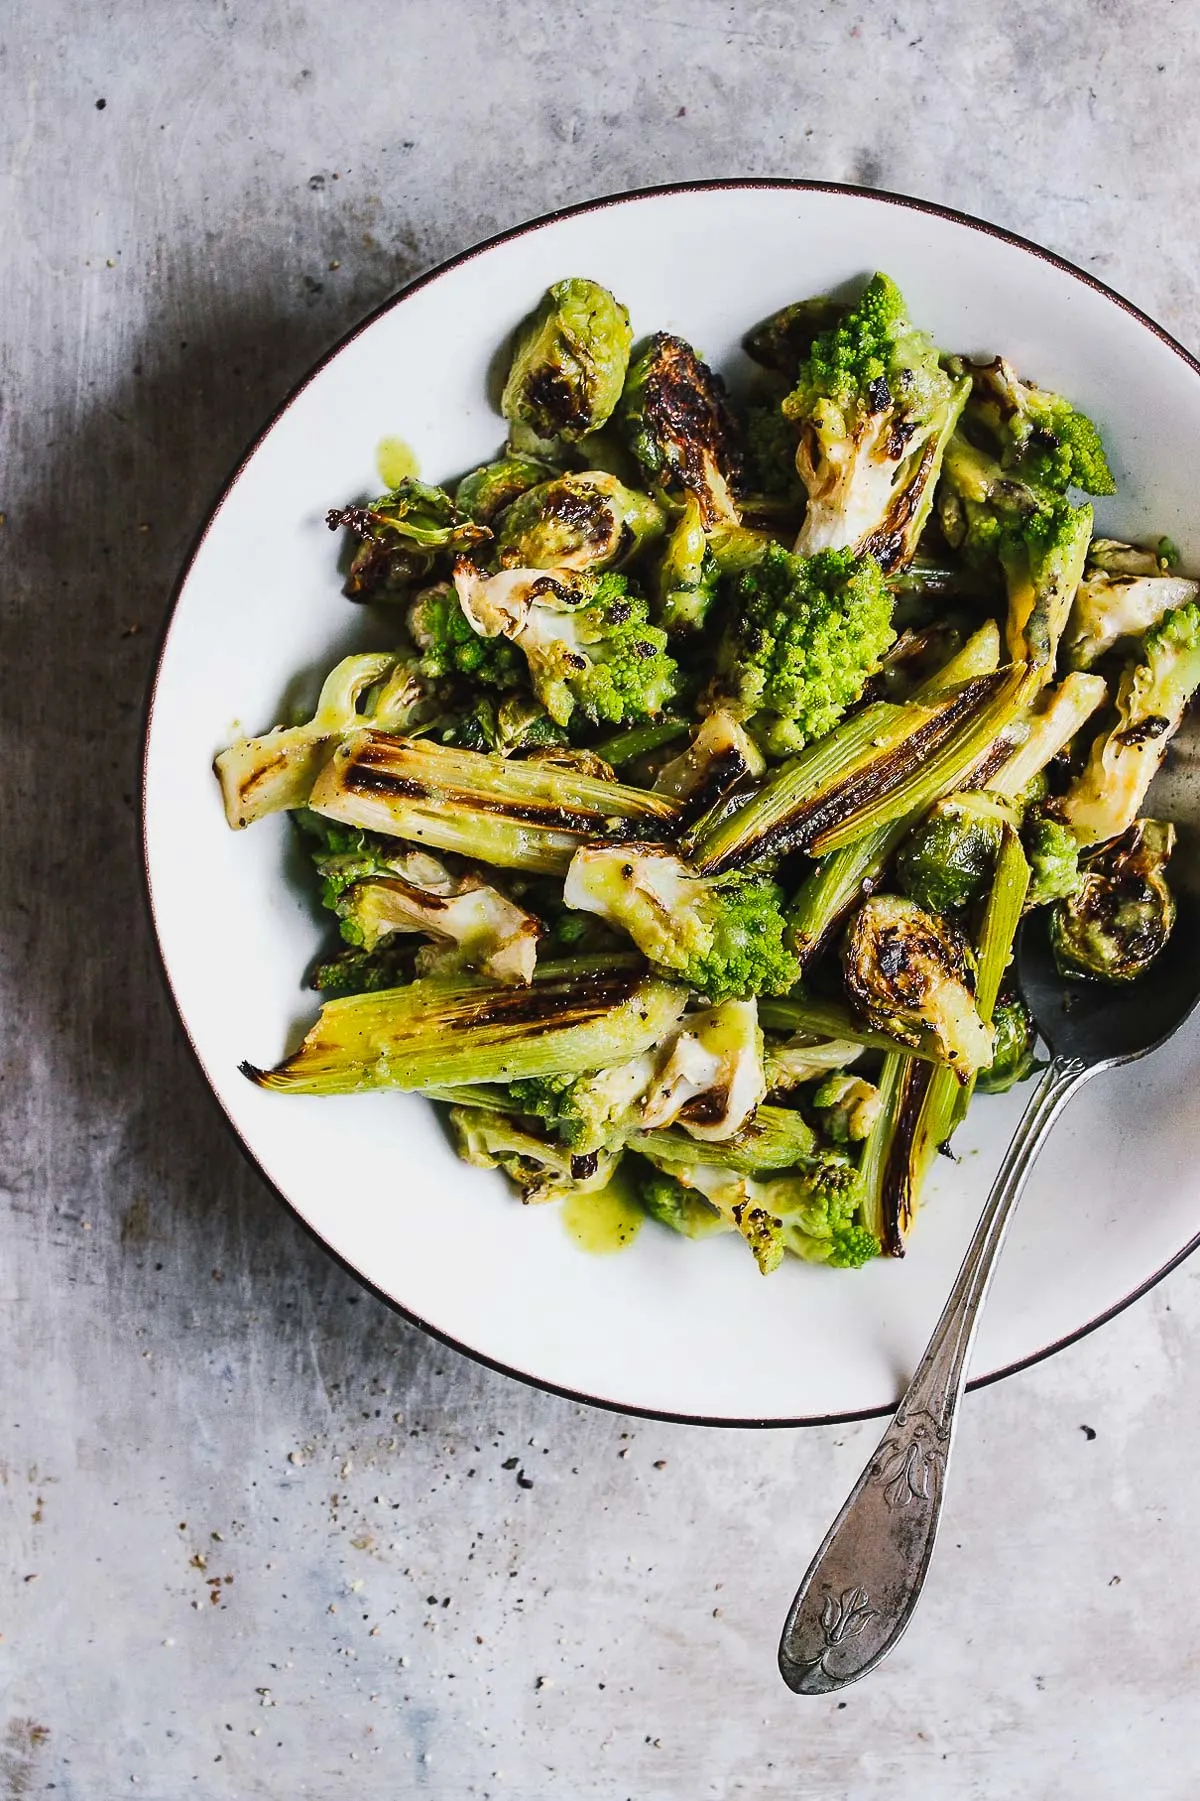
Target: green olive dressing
x,y
396,461
603,1222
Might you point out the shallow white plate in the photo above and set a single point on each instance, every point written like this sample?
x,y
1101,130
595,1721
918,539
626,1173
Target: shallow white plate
x,y
667,1326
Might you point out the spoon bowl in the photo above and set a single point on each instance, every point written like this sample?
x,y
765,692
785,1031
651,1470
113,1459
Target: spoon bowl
x,y
1102,1024
862,1587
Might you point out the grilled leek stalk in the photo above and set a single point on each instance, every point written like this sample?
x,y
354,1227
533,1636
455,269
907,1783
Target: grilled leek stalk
x,y
443,1031
518,815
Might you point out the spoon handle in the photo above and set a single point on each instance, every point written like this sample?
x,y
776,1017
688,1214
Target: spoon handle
x,y
862,1586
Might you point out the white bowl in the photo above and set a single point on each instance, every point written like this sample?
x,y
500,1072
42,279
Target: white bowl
x,y
668,1326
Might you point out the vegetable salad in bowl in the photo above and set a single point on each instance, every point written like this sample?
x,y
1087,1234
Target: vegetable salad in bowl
x,y
680,845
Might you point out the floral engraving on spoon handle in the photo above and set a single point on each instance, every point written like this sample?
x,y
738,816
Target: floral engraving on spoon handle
x,y
911,1459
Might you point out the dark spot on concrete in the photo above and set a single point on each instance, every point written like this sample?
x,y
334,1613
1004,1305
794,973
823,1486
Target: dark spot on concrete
x,y
1089,1432
100,105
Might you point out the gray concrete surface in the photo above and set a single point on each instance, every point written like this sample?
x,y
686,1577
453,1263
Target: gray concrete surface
x,y
260,1538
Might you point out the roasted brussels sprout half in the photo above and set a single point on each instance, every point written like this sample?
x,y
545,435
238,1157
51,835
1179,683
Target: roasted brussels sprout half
x,y
484,494
1121,918
402,533
912,975
1016,1041
947,862
568,366
679,428
785,340
585,521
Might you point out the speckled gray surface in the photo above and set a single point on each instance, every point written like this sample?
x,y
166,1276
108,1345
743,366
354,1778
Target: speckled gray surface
x,y
261,1537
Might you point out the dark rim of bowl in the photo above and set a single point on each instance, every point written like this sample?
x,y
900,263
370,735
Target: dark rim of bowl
x,y
874,196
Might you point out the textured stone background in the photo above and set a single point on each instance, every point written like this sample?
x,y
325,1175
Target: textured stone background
x,y
261,1538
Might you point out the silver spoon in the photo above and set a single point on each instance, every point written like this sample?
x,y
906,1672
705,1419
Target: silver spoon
x,y
863,1584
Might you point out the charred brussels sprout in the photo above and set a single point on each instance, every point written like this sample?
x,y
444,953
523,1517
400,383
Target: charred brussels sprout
x,y
1121,918
679,428
585,521
568,366
947,862
912,976
785,340
484,494
1016,1040
401,534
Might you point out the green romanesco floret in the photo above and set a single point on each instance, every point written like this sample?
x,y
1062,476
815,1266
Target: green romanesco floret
x,y
807,633
590,1112
343,855
771,453
356,971
1036,434
667,1200
747,954
449,647
873,410
817,1212
1063,449
591,654
811,1210
851,1247
723,935
1036,538
628,676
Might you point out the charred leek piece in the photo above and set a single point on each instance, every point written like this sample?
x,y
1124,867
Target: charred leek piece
x,y
638,740
776,1138
831,1019
901,1079
987,727
448,1030
844,786
518,815
941,1100
1053,722
844,877
265,775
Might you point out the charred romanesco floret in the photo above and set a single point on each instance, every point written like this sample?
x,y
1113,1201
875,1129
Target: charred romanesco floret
x,y
1036,538
873,409
724,935
592,656
628,675
1036,433
342,855
590,1111
810,1211
449,647
807,634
